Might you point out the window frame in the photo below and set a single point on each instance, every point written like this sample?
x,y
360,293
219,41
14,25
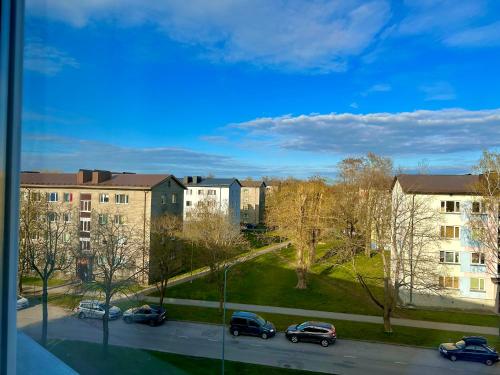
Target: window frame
x,y
480,281
481,259
118,199
456,209
102,197
444,253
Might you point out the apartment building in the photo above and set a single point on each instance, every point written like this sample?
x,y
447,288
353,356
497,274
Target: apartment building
x,y
253,201
467,273
133,199
223,193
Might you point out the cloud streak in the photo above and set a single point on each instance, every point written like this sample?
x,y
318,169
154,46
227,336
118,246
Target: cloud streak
x,y
47,60
395,134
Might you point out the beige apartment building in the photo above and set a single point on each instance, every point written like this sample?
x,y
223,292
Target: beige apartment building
x,y
253,201
132,199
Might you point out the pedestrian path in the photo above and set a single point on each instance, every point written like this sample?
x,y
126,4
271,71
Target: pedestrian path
x,y
332,315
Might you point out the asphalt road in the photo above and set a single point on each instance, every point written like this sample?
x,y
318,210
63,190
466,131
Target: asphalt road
x,y
205,340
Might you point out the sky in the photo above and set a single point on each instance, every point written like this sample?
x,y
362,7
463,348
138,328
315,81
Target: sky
x,y
259,87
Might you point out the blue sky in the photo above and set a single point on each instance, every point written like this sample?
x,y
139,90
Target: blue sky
x,y
261,87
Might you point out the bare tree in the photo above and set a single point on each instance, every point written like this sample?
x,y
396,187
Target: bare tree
x,y
298,210
50,237
217,239
116,250
166,258
484,215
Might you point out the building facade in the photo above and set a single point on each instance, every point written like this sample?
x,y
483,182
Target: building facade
x,y
132,199
223,193
253,201
467,273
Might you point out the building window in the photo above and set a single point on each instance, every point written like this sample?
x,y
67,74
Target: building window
x,y
477,208
85,206
67,217
450,206
449,257
164,199
449,282
68,197
478,258
84,244
66,237
189,192
188,203
103,219
85,225
449,231
53,197
103,198
119,219
211,192
36,196
52,217
476,284
174,198
121,198
201,192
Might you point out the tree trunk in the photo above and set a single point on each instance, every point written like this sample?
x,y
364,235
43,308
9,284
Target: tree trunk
x,y
45,312
388,303
20,282
387,320
301,278
105,327
163,286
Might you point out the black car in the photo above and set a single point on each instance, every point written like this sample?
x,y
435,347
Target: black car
x,y
470,348
247,323
319,332
152,315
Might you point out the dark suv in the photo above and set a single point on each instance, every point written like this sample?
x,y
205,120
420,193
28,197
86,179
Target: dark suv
x,y
322,333
247,323
470,348
152,315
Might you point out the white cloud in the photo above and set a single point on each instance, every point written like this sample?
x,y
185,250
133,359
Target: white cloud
x,y
488,35
379,87
302,35
45,59
405,133
438,91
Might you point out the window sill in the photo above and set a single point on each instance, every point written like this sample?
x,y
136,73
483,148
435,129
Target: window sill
x,y
477,291
450,263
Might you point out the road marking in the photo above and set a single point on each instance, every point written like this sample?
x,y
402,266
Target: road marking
x,y
256,345
184,337
401,363
349,356
212,340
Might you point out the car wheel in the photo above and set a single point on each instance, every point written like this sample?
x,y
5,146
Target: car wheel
x,y
152,323
81,316
488,362
235,333
128,320
324,343
453,358
264,335
294,339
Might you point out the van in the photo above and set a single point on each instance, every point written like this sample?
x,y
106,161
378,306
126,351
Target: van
x,y
247,323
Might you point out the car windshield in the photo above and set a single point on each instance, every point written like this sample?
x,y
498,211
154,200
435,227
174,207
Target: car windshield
x,y
460,344
261,320
101,305
303,325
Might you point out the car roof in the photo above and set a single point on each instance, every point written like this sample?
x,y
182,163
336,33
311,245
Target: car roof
x,y
244,314
318,324
90,301
474,339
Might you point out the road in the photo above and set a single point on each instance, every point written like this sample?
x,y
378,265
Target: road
x,y
204,340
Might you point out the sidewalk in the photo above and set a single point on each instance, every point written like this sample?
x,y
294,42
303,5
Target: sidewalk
x,y
331,315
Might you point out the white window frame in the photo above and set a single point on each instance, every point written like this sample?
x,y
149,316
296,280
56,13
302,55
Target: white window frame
x,y
85,205
103,198
85,224
119,200
85,241
174,198
189,203
51,195
481,208
455,256
481,261
455,204
67,217
70,197
453,279
455,229
211,192
481,287
163,199
119,219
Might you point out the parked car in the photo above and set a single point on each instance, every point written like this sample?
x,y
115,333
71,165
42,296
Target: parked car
x,y
152,315
470,348
247,323
22,302
319,332
95,309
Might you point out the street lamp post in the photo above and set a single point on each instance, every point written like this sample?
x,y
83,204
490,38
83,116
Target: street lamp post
x,y
226,268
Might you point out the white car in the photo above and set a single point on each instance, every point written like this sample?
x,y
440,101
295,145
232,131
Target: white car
x,y
95,309
22,302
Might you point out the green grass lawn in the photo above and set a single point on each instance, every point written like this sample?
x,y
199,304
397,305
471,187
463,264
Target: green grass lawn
x,y
86,358
36,281
270,280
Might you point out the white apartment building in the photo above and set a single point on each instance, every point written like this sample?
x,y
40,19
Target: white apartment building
x,y
467,274
223,192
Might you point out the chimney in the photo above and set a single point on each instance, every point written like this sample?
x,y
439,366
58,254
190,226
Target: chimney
x,y
83,176
197,179
187,179
100,176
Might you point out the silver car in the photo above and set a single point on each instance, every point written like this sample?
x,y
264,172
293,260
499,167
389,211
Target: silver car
x,y
22,302
95,309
